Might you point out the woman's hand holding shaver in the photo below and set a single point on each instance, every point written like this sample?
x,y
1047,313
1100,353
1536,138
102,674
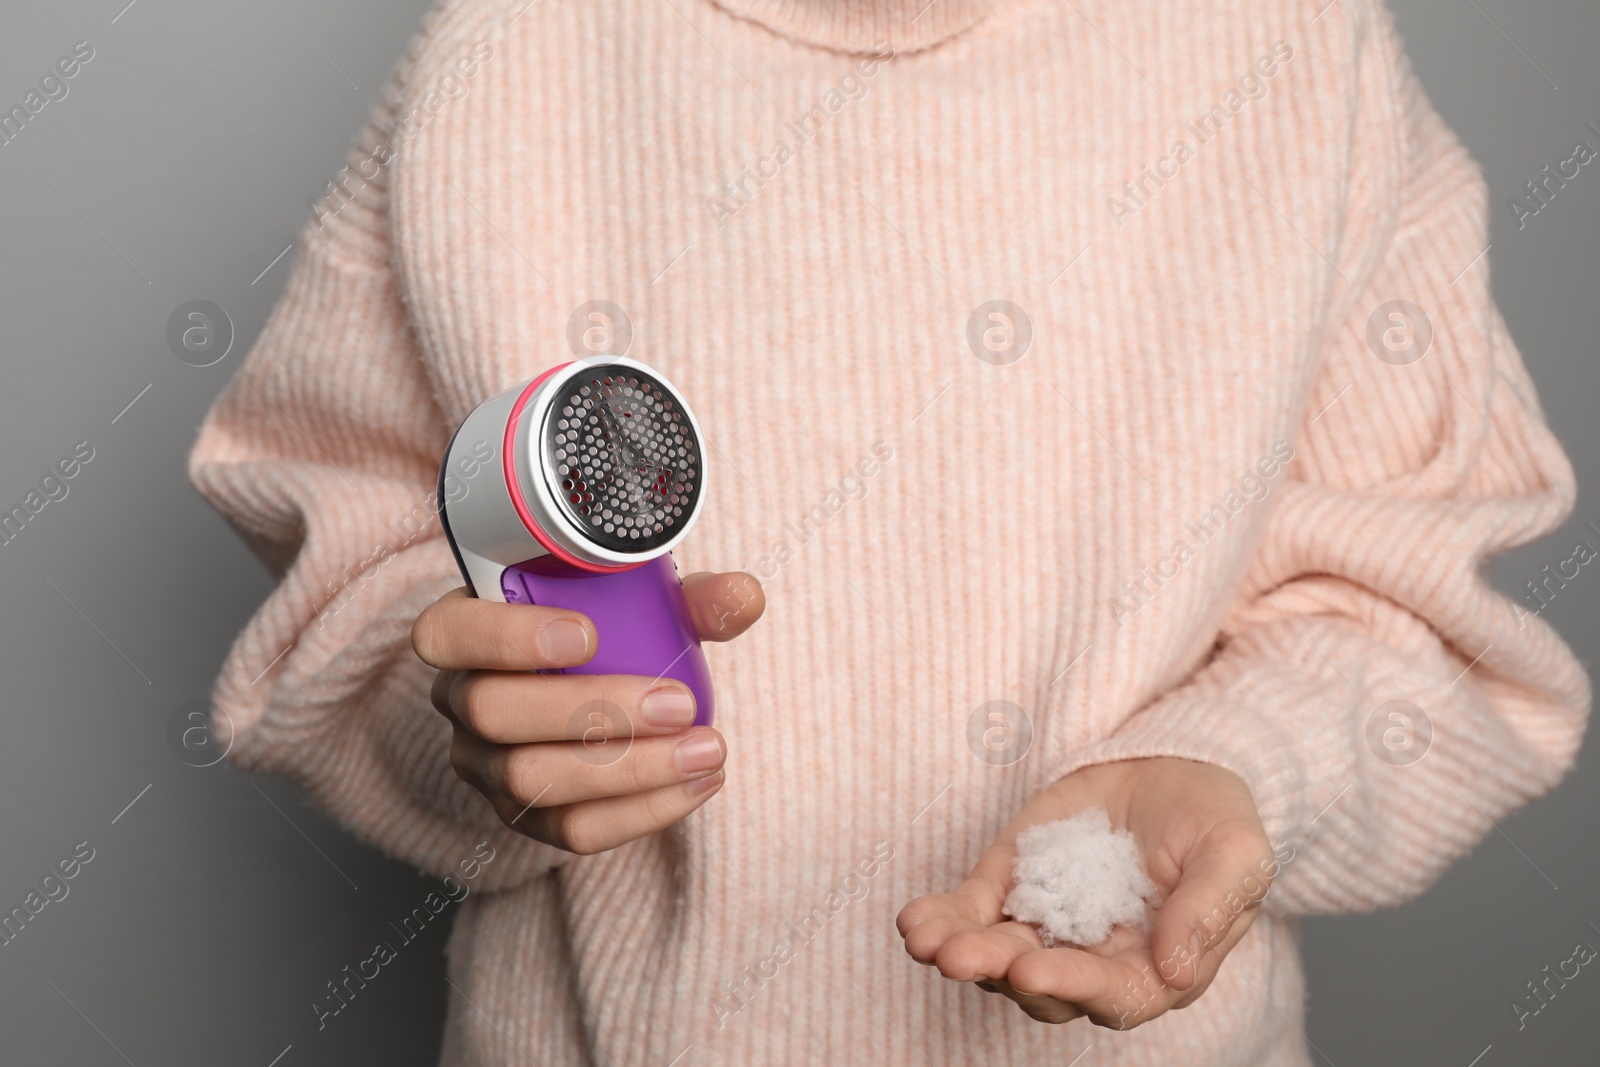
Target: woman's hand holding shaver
x,y
581,762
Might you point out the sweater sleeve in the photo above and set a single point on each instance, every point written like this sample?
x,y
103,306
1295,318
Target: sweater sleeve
x,y
1383,702
322,453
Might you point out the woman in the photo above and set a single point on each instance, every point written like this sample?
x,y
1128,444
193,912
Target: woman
x,y
1110,402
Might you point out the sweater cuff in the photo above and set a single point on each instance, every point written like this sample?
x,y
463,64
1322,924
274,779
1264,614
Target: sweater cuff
x,y
1220,728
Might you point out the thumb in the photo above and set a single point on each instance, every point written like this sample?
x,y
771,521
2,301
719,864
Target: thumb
x,y
725,605
1224,878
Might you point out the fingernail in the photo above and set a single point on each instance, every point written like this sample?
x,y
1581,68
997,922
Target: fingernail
x,y
564,642
667,707
701,786
698,753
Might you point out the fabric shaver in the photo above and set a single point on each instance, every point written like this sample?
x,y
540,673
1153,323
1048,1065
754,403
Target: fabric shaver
x,y
570,490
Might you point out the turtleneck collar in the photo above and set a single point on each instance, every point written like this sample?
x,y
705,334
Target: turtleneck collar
x,y
864,25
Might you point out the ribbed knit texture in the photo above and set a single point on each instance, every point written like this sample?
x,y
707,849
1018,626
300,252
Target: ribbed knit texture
x,y
993,557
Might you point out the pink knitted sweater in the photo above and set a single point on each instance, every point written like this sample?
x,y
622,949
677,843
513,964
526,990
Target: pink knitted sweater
x,y
1194,491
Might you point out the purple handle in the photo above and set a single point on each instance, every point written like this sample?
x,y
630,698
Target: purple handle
x,y
640,614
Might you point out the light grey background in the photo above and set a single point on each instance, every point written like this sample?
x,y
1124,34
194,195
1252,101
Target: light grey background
x,y
217,904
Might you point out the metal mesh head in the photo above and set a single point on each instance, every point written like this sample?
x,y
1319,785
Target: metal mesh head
x,y
622,458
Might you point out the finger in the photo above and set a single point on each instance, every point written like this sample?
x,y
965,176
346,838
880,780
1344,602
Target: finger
x,y
723,606
1040,1009
600,825
1111,992
928,922
984,953
1215,956
566,772
977,901
460,632
966,903
520,707
1222,877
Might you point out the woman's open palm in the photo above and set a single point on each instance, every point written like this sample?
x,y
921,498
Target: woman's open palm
x,y
1202,845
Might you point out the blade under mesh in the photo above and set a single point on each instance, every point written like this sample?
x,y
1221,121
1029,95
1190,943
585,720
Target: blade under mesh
x,y
622,458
